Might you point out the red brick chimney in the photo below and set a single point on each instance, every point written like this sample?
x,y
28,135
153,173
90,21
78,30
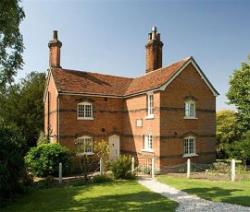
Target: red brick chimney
x,y
153,51
54,51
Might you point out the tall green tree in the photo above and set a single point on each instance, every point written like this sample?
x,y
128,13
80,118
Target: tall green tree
x,y
226,131
23,106
11,41
239,94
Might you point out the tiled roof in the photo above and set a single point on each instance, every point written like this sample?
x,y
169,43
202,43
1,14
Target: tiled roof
x,y
72,81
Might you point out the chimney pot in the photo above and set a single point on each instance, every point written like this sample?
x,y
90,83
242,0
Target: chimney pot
x,y
55,36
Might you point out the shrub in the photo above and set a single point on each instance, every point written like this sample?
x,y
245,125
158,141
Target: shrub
x,y
44,159
121,168
42,139
11,162
101,179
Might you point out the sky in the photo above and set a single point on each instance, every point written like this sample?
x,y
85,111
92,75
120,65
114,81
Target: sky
x,y
109,36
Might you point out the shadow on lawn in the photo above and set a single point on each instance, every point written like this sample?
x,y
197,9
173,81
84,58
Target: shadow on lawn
x,y
217,193
80,198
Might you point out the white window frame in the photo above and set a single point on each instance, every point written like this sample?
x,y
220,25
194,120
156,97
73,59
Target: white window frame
x,y
148,143
85,112
150,105
190,109
139,122
189,146
84,140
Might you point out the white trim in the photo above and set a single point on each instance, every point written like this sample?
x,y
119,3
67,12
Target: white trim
x,y
85,103
194,146
84,147
203,77
190,155
187,117
147,150
151,116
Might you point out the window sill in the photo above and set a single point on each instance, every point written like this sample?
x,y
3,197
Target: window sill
x,y
194,118
85,153
90,118
152,116
147,150
190,155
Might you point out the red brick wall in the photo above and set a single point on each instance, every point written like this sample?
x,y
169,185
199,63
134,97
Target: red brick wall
x,y
174,127
107,118
51,101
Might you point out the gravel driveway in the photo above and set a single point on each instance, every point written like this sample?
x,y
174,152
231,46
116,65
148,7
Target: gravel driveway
x,y
189,202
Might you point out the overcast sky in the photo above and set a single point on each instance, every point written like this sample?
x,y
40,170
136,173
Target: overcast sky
x,y
110,36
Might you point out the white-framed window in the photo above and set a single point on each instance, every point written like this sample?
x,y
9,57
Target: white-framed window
x,y
189,146
139,122
190,109
84,145
148,143
150,105
85,111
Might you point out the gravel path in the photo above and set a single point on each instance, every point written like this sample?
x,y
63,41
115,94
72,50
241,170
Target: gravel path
x,y
189,202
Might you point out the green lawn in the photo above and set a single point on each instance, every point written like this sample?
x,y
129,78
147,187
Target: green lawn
x,y
112,196
220,191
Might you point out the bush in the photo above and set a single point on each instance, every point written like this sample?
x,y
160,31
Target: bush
x,y
121,168
11,162
42,139
44,159
101,179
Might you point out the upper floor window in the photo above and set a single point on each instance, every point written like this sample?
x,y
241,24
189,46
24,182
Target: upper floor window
x,y
150,105
85,111
148,143
190,109
84,145
189,146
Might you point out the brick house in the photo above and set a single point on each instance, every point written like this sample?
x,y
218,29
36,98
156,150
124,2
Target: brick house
x,y
167,113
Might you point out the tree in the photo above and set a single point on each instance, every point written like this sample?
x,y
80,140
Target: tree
x,y
239,94
226,131
23,106
11,162
11,41
240,149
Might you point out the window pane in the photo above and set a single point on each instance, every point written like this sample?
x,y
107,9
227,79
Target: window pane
x,y
88,111
80,110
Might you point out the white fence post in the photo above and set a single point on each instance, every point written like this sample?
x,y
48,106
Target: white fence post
x,y
153,168
101,166
233,170
132,165
188,167
60,172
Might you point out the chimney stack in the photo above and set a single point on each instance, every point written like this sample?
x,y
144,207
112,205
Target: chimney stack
x,y
54,51
153,51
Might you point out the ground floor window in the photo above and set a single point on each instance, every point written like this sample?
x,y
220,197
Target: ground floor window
x,y
148,142
84,144
189,145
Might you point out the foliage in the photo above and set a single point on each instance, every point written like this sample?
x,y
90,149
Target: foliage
x,y
241,148
11,41
112,196
42,139
226,132
11,162
239,94
22,105
101,179
44,159
121,167
90,161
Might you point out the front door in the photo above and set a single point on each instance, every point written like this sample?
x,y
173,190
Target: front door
x,y
114,147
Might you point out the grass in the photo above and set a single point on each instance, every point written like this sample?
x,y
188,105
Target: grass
x,y
219,191
110,196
